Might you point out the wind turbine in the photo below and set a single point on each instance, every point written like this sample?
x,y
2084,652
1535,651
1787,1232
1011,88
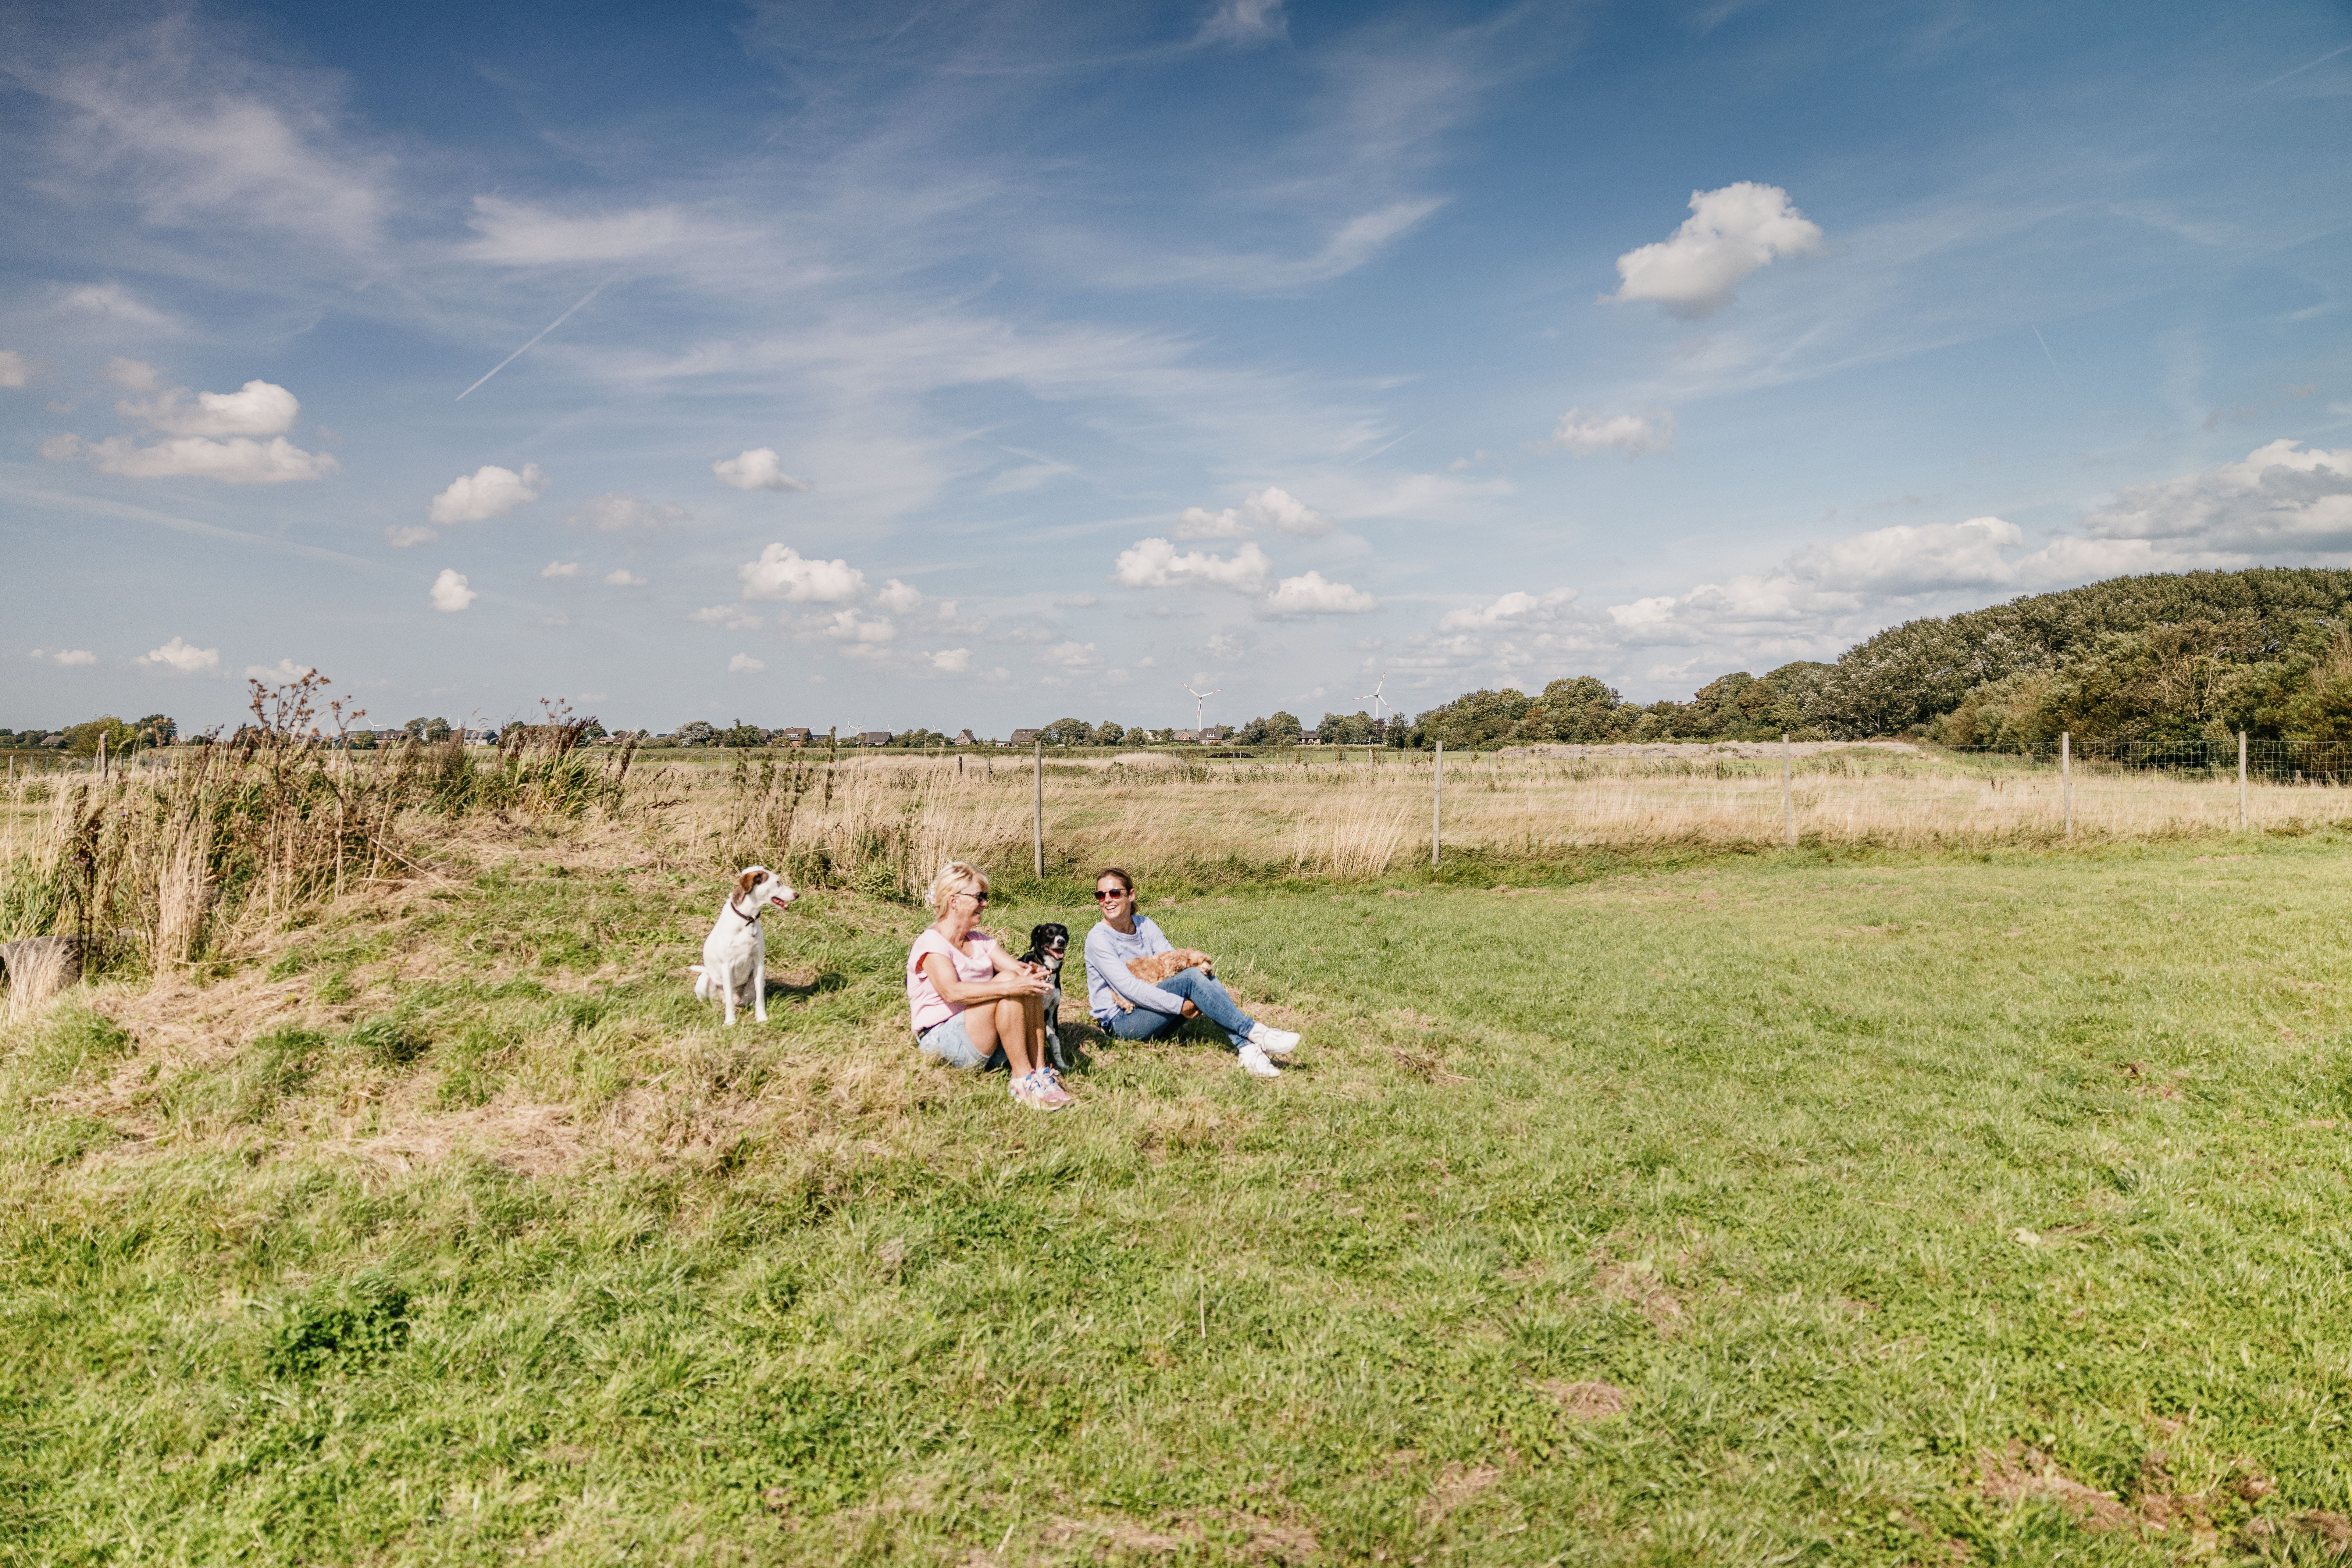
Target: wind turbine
x,y
1199,699
1381,706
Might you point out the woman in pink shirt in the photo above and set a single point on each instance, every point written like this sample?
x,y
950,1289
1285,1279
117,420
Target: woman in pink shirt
x,y
972,1004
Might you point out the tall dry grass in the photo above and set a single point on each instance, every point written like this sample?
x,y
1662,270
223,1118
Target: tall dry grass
x,y
178,859
885,822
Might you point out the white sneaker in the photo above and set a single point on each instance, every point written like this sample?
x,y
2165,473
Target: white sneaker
x,y
1275,1043
1253,1062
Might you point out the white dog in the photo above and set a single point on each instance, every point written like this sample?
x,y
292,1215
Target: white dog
x,y
734,964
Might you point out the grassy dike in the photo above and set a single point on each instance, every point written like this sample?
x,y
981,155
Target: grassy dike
x,y
1883,1210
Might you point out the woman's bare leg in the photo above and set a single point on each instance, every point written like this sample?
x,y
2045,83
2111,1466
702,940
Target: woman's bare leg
x,y
1007,1020
1032,1027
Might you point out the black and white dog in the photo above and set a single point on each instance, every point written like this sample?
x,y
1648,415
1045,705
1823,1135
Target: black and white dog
x,y
1048,945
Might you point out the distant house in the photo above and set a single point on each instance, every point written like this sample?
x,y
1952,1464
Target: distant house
x,y
1212,734
965,738
1309,738
1025,737
1187,736
792,737
874,738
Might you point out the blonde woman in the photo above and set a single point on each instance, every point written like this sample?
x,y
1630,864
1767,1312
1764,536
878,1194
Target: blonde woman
x,y
973,1005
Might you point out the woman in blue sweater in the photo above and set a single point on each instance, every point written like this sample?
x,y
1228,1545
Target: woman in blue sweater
x,y
1122,935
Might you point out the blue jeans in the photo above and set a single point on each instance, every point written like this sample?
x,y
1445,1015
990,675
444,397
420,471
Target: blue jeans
x,y
1201,989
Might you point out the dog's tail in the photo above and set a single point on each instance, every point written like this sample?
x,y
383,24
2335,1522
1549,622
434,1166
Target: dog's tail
x,y
702,992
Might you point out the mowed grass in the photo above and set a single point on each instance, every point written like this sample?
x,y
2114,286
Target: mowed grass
x,y
1766,1210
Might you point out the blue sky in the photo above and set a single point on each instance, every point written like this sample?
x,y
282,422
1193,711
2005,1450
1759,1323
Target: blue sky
x,y
976,365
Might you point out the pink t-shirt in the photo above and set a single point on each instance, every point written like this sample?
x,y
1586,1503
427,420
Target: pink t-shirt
x,y
972,967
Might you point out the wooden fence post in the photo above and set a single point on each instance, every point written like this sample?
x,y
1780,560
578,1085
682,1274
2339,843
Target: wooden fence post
x,y
1037,812
1436,801
2242,781
2066,778
1788,792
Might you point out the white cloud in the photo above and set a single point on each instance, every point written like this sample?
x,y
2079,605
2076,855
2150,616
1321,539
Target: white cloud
x,y
1915,558
1283,513
726,617
164,117
622,577
781,572
259,408
1311,595
237,461
855,629
1270,508
1517,608
1228,648
1072,655
284,672
899,598
1729,234
65,656
181,658
1585,434
560,569
1245,22
617,511
1156,563
113,302
402,538
744,664
513,234
756,470
488,491
450,594
15,370
1199,523
951,660
2279,500
133,374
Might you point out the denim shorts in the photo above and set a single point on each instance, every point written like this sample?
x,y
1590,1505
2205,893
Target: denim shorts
x,y
950,1043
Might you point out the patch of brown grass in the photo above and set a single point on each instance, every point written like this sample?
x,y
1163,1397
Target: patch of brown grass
x,y
2022,1474
1588,1401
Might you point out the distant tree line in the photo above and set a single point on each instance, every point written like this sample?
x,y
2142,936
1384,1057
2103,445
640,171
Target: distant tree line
x,y
2194,656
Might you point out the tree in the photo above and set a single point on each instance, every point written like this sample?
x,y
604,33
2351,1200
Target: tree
x,y
427,730
1280,728
157,730
1068,732
81,739
1109,733
742,734
1347,729
695,732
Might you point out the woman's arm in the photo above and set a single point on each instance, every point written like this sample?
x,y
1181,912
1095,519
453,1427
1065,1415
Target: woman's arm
x,y
1005,962
1114,973
1020,982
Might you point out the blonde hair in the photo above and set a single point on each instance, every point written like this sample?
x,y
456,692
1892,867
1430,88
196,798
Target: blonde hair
x,y
955,877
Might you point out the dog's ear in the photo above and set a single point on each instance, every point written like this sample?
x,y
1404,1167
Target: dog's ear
x,y
748,880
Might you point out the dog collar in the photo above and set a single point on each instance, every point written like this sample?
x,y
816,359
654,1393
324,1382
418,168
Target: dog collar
x,y
750,920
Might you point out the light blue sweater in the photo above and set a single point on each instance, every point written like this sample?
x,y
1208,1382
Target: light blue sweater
x,y
1109,950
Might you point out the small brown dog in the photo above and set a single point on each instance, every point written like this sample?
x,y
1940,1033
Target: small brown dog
x,y
1157,967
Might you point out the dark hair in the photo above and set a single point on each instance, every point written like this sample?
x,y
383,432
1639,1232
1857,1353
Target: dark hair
x,y
1126,882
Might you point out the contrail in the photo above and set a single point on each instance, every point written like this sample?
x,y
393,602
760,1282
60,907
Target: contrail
x,y
543,331
2048,355
1406,436
2305,66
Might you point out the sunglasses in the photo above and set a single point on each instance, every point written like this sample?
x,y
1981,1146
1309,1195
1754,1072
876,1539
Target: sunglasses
x,y
977,897
1103,897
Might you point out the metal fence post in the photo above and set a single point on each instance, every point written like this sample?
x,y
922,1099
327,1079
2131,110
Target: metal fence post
x,y
2066,777
2242,781
1437,800
1788,792
1037,812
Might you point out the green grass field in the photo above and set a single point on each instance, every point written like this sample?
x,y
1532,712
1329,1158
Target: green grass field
x,y
1763,1210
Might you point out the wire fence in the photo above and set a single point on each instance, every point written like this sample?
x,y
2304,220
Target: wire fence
x,y
2317,762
